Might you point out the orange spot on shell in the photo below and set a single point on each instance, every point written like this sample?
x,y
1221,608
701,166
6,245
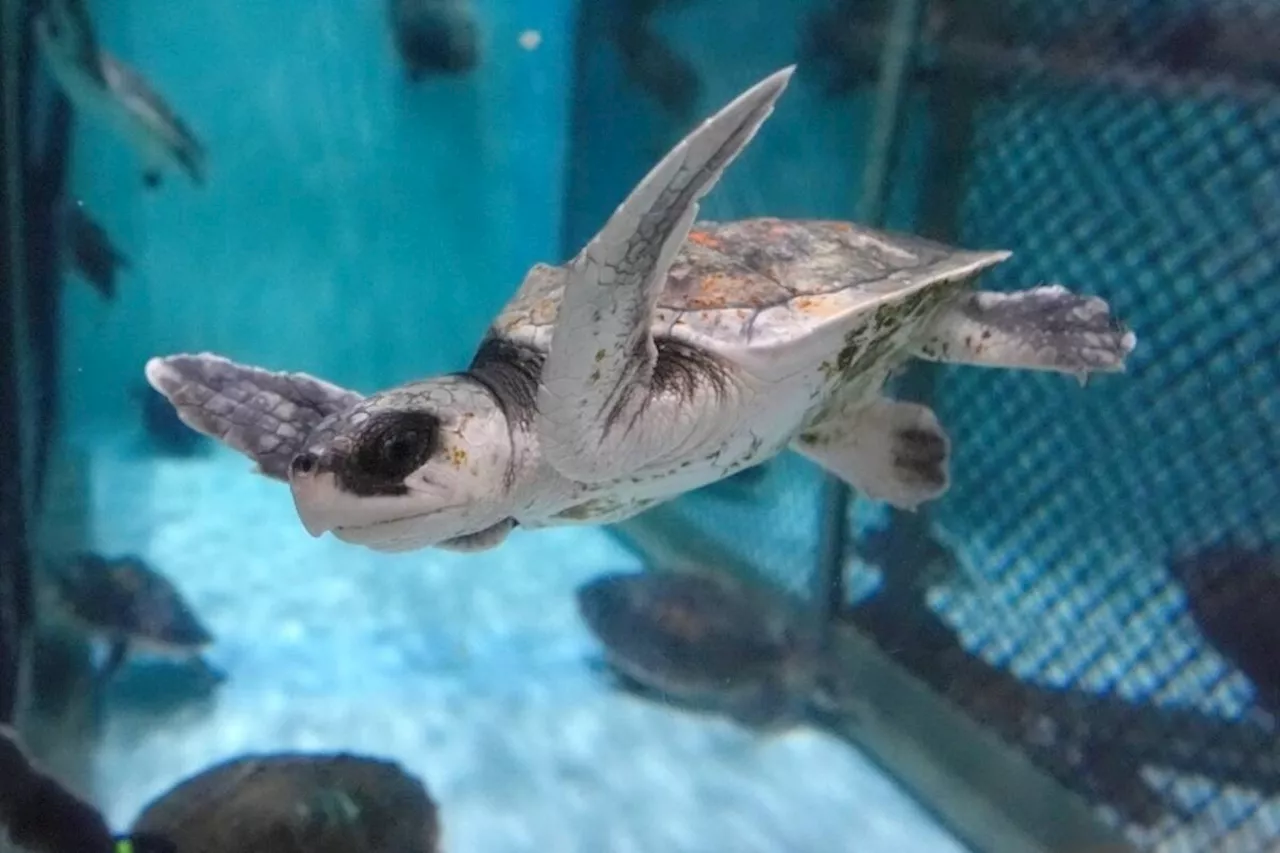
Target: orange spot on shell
x,y
702,238
714,292
819,306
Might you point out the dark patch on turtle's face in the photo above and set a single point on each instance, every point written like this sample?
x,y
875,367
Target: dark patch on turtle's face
x,y
384,450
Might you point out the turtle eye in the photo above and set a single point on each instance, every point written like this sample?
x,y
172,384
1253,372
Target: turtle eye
x,y
397,450
395,445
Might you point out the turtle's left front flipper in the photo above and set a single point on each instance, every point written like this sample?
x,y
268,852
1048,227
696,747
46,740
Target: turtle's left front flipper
x,y
597,379
265,415
1045,328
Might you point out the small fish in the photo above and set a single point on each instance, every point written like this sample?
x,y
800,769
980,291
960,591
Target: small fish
x,y
100,85
696,639
130,606
88,250
42,814
434,36
295,803
1232,594
654,66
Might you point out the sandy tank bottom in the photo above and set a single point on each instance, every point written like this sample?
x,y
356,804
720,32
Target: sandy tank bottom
x,y
473,671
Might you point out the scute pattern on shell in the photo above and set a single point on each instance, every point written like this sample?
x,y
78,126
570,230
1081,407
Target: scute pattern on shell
x,y
767,282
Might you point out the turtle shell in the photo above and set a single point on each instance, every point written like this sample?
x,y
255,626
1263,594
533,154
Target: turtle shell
x,y
295,803
685,634
781,295
126,599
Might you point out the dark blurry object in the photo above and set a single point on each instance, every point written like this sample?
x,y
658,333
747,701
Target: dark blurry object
x,y
119,97
1202,39
698,639
652,64
89,250
130,606
1156,49
1041,721
434,36
295,803
743,487
928,561
166,433
843,41
1233,595
40,813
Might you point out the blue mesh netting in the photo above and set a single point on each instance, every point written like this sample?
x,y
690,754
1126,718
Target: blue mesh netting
x,y
1151,179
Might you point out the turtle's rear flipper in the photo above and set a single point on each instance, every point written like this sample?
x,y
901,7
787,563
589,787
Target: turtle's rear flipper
x,y
1045,328
887,450
266,416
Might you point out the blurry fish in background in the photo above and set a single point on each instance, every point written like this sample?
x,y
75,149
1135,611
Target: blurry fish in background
x,y
166,434
1233,596
130,607
41,814
88,250
295,803
652,64
99,85
435,36
703,641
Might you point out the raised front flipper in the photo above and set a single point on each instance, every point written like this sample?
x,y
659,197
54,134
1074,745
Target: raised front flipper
x,y
266,416
598,376
1045,328
887,450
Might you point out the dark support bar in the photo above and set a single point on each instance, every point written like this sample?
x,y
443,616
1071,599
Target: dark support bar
x,y
15,558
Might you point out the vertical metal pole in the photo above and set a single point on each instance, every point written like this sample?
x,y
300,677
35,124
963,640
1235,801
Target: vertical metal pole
x,y
895,65
15,603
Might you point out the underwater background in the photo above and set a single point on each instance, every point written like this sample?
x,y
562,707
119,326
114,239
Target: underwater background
x,y
1052,686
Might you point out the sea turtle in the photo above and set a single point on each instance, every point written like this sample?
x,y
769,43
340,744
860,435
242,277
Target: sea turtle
x,y
662,358
100,85
294,803
130,606
702,640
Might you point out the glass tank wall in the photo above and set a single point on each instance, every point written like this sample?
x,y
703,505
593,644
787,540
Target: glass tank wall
x,y
1070,648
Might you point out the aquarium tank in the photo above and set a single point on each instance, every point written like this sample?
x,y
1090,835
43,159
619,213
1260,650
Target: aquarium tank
x,y
640,425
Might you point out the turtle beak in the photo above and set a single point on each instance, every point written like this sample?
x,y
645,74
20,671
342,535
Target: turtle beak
x,y
317,500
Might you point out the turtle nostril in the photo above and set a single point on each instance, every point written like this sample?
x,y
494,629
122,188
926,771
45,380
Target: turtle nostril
x,y
303,463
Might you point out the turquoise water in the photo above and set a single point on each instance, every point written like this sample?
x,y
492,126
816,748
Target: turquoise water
x,y
473,671
365,231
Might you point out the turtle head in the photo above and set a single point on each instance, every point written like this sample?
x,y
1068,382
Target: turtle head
x,y
407,468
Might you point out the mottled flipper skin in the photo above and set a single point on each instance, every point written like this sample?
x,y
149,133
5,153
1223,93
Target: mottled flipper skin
x,y
1044,328
598,374
265,415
